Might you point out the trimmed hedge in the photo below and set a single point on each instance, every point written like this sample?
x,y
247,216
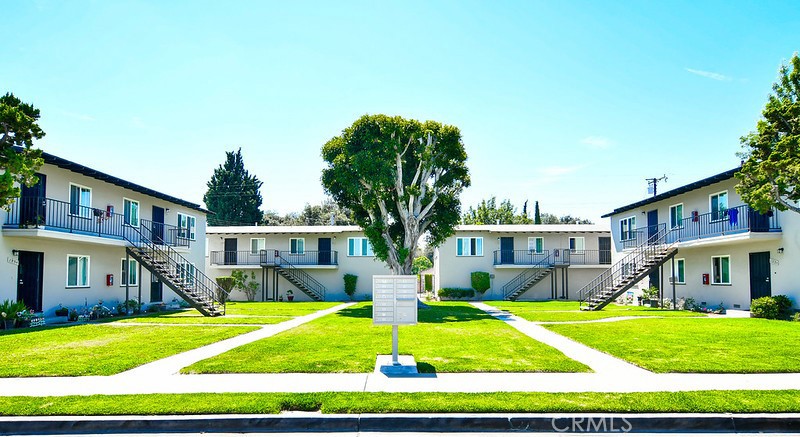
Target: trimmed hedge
x,y
480,281
350,281
774,307
456,293
428,282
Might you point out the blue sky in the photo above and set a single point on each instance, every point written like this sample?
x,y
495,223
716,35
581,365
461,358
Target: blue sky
x,y
571,103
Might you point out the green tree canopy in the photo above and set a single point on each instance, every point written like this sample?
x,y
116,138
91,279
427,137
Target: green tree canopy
x,y
401,179
489,213
233,193
421,263
770,175
18,159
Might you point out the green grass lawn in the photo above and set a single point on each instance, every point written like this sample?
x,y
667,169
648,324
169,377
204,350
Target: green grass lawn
x,y
787,401
237,313
451,337
563,311
99,349
704,345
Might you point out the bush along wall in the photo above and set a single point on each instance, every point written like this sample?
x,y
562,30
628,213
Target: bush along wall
x,y
772,307
350,281
480,281
451,293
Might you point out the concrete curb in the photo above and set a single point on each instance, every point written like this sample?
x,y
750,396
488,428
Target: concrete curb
x,y
315,422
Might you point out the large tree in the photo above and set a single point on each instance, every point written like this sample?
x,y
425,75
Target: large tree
x,y
401,179
18,159
233,193
770,174
489,213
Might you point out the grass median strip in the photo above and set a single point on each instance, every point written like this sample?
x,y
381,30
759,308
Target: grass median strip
x,y
701,345
451,337
100,349
784,401
561,311
237,313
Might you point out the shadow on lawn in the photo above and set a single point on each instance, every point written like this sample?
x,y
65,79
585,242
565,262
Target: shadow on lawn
x,y
432,314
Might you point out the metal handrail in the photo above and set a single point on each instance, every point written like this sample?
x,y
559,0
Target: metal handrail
x,y
518,281
198,282
519,257
301,276
248,258
625,269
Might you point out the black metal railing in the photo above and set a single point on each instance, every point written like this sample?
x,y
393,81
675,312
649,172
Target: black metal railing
x,y
587,257
648,253
519,257
272,257
729,221
190,279
527,275
58,215
300,277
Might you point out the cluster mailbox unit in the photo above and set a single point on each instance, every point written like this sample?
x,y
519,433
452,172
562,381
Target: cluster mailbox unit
x,y
394,302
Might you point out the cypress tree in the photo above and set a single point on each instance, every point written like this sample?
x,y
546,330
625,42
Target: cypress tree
x,y
233,194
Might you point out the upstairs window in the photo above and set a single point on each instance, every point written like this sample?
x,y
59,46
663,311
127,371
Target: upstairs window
x,y
359,246
469,246
80,201
676,216
257,245
577,244
297,246
719,206
131,212
187,226
535,244
627,228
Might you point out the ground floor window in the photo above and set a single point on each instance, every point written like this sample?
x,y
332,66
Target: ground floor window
x,y
129,276
679,275
77,270
721,269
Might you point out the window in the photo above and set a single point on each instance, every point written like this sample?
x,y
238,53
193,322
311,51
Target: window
x,y
469,246
131,212
186,272
535,244
627,228
80,201
721,268
576,244
679,275
132,277
297,246
186,226
719,206
676,216
359,246
77,270
257,245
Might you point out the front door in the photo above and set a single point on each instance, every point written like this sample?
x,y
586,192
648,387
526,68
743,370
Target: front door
x,y
759,275
230,251
652,224
158,225
324,247
30,274
32,202
506,250
156,289
604,246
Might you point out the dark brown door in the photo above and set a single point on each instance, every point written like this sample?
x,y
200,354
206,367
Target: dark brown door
x,y
230,251
30,275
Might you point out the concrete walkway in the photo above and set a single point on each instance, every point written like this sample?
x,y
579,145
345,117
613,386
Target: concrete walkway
x,y
599,362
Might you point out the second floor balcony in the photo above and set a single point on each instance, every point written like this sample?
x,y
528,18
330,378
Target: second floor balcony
x,y
272,257
44,214
559,257
728,221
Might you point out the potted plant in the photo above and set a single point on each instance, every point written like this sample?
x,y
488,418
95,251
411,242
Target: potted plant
x,y
62,311
9,312
73,315
650,297
280,298
289,295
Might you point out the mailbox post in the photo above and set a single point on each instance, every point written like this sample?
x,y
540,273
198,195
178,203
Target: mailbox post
x,y
394,302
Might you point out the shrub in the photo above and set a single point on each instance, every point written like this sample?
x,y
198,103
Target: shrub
x,y
480,281
350,281
764,308
226,283
784,306
429,283
456,293
244,283
9,309
420,263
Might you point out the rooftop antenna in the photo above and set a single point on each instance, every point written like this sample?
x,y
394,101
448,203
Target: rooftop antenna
x,y
652,184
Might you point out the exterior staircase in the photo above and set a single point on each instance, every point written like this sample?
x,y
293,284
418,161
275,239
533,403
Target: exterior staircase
x,y
634,267
172,269
527,279
300,279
